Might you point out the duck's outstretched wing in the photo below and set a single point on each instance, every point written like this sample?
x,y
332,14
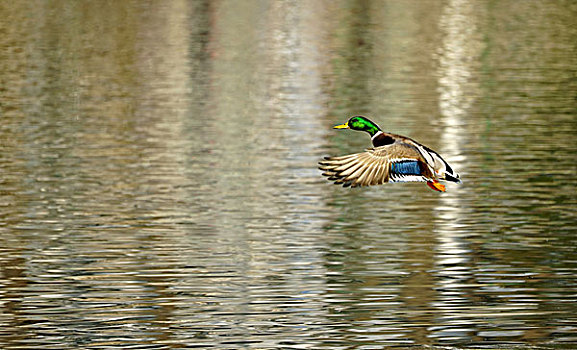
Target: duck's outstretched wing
x,y
398,162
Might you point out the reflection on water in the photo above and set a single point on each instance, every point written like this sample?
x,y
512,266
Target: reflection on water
x,y
159,185
458,60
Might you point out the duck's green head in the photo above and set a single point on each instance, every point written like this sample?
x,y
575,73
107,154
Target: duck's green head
x,y
360,123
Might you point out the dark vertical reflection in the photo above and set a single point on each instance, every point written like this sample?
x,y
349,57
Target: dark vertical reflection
x,y
352,65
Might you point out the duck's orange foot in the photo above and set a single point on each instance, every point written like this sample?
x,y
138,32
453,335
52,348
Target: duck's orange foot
x,y
436,185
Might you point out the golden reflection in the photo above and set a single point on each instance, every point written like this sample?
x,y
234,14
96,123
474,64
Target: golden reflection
x,y
101,105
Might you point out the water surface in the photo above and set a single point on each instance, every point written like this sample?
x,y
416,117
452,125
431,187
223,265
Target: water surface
x,y
159,188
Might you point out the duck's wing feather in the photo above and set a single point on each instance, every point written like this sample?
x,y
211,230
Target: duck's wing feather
x,y
398,162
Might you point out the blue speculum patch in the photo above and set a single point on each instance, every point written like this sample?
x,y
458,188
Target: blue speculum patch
x,y
410,167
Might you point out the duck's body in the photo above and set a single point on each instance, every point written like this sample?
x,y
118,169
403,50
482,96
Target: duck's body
x,y
394,158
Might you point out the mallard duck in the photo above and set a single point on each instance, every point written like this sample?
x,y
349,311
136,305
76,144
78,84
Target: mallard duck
x,y
394,158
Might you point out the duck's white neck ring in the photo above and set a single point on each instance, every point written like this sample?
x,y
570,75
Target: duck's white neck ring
x,y
376,134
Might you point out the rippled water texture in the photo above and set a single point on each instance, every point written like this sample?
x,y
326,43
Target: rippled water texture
x,y
159,189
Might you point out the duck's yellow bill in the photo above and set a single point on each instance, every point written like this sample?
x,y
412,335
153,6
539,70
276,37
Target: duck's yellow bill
x,y
342,126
